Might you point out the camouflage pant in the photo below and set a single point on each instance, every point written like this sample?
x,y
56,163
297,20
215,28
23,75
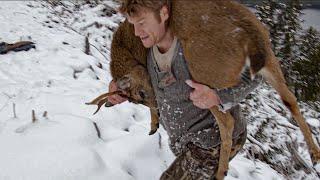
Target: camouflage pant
x,y
196,163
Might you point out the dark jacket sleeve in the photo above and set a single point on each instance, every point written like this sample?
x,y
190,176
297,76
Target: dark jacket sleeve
x,y
232,96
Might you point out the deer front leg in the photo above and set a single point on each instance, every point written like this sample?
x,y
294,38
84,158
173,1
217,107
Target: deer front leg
x,y
154,121
226,124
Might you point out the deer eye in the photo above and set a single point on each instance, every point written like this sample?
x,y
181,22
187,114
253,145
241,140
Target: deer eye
x,y
142,94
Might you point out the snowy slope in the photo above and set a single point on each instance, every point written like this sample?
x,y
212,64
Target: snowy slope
x,y
58,77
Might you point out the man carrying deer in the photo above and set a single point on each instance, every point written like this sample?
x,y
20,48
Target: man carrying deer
x,y
183,104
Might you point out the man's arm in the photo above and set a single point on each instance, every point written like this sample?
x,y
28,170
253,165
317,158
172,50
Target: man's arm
x,y
230,97
204,97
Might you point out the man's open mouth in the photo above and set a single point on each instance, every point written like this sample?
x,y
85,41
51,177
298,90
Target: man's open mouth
x,y
144,38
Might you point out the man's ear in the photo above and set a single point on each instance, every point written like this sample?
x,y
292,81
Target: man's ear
x,y
164,13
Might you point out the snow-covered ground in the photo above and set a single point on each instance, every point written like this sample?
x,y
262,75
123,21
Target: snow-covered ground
x,y
58,77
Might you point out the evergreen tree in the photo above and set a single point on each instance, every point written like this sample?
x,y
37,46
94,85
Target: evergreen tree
x,y
309,40
308,67
289,48
284,24
269,12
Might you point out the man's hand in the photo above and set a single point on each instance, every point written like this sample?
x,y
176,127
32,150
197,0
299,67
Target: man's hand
x,y
115,99
203,96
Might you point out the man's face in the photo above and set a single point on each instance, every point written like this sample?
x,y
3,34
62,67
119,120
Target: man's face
x,y
148,27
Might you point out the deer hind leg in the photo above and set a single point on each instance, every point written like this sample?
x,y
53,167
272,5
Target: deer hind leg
x,y
226,124
272,73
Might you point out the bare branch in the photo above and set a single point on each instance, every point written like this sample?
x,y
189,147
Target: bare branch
x,y
160,144
14,110
97,129
87,46
45,114
34,119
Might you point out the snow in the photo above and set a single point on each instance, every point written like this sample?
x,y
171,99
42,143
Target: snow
x,y
58,77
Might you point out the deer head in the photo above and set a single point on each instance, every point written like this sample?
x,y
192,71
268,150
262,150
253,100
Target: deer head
x,y
135,86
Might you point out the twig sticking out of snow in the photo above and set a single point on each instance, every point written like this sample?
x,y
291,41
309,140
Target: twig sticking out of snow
x,y
14,110
45,114
160,144
34,119
87,46
97,129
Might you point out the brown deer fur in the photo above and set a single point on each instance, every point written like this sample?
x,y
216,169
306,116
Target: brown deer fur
x,y
219,39
127,51
128,61
139,90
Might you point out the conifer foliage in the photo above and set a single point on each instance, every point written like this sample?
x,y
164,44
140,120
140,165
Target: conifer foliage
x,y
297,50
308,67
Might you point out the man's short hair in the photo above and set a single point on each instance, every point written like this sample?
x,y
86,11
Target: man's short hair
x,y
133,7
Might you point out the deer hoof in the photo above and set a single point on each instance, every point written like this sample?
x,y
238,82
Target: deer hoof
x,y
225,173
154,129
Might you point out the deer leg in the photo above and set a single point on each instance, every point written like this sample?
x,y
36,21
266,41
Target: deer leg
x,y
226,124
154,121
272,73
